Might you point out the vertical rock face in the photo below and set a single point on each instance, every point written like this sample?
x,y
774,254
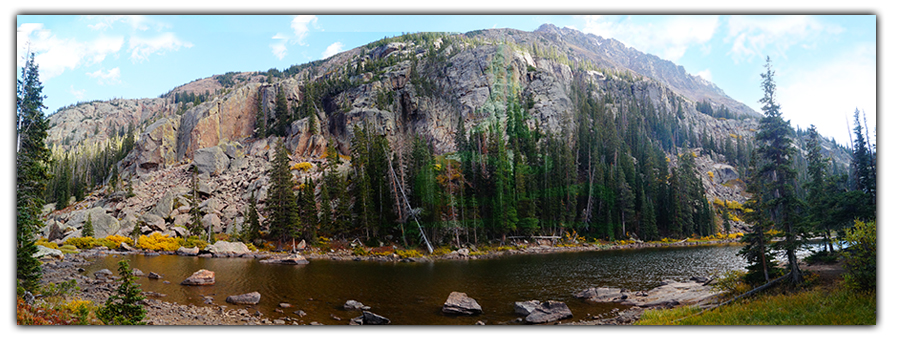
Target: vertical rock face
x,y
156,148
230,118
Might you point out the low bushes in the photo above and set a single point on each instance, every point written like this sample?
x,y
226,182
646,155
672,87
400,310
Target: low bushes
x,y
860,256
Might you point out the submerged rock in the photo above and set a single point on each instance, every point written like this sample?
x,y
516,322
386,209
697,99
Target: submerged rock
x,y
200,278
602,294
460,303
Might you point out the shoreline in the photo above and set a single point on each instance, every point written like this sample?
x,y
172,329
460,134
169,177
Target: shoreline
x,y
160,312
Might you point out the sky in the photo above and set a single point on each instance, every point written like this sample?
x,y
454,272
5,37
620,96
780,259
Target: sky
x,y
825,65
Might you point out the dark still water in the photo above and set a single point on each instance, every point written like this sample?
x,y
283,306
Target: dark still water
x,y
413,293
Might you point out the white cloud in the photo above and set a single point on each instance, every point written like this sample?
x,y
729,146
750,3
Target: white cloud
x,y
754,36
110,77
78,94
332,50
668,37
301,24
279,50
142,47
705,74
136,22
55,55
827,95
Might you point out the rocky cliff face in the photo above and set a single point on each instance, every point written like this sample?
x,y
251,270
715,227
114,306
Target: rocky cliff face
x,y
397,89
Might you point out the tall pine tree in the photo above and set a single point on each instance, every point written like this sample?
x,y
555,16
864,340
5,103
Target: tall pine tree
x,y
282,203
775,175
32,176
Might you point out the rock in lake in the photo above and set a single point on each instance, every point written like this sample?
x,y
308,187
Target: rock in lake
x,y
227,248
352,305
103,274
527,307
602,294
184,251
154,275
251,298
200,278
46,251
369,318
549,311
460,303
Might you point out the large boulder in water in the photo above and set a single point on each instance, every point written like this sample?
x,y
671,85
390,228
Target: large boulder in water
x,y
460,303
549,311
251,298
200,278
352,305
225,248
369,318
602,294
527,307
184,251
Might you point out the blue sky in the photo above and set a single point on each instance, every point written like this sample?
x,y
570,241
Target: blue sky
x,y
825,64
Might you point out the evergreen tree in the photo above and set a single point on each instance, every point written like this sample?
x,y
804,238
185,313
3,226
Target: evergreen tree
x,y
32,176
88,229
195,226
251,225
123,307
816,197
863,162
282,114
775,173
282,202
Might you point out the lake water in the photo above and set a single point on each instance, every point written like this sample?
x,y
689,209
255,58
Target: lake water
x,y
413,293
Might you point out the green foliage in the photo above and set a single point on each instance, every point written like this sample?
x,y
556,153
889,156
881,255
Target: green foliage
x,y
123,307
732,283
860,256
819,306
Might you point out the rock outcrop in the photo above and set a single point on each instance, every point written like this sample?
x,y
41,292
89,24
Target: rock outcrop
x,y
549,311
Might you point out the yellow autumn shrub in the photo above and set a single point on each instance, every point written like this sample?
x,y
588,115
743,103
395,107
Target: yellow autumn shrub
x,y
43,242
86,242
158,242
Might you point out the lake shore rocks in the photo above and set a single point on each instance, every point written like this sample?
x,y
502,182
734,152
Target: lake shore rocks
x,y
668,294
461,304
200,278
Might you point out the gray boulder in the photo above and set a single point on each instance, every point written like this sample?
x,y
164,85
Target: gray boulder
x,y
184,251
164,207
527,307
352,305
46,251
103,274
227,248
369,318
251,298
210,160
154,222
602,294
549,311
462,304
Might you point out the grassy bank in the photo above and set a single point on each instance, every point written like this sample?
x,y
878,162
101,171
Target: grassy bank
x,y
822,305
